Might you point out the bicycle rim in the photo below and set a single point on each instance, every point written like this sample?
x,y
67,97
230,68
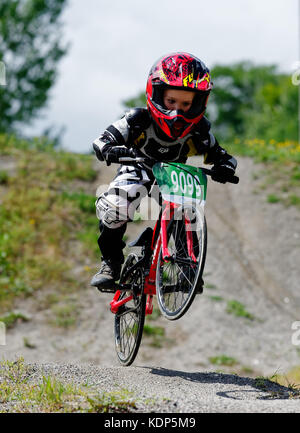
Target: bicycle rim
x,y
178,280
129,320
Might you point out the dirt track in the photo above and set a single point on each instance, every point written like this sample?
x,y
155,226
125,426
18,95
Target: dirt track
x,y
253,258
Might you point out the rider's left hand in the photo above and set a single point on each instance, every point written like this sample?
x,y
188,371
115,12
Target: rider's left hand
x,y
222,173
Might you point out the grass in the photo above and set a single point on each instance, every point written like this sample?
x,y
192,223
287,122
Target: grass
x,y
3,177
116,401
281,173
238,309
28,344
216,298
66,314
10,319
267,150
19,393
291,379
223,360
273,198
293,200
210,286
291,389
40,216
156,334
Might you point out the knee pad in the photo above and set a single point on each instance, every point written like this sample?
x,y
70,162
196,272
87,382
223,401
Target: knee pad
x,y
112,210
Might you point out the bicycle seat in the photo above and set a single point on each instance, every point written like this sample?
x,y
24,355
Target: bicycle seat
x,y
144,238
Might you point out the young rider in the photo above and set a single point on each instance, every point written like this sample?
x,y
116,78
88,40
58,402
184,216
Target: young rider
x,y
171,128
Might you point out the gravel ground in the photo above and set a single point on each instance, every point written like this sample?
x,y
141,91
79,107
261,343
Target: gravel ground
x,y
253,258
159,390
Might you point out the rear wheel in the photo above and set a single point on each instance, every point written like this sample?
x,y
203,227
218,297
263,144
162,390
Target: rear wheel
x,y
179,277
129,320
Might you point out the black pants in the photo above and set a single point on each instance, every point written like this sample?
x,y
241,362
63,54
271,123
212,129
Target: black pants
x,y
111,242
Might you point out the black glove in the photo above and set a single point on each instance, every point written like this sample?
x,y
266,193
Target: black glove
x,y
98,152
116,152
222,172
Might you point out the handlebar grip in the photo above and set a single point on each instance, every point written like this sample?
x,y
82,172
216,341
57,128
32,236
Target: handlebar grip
x,y
232,179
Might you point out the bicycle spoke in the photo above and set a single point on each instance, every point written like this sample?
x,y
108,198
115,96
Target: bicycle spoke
x,y
182,273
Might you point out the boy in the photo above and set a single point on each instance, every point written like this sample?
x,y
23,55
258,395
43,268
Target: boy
x,y
172,128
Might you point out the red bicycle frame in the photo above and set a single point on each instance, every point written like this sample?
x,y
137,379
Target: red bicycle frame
x,y
156,244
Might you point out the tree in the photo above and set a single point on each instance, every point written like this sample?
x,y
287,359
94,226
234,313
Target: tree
x,y
30,48
138,101
249,101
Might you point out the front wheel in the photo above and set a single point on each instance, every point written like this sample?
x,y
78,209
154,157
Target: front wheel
x,y
179,277
129,320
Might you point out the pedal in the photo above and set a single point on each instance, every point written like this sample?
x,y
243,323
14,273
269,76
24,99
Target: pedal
x,y
115,288
106,290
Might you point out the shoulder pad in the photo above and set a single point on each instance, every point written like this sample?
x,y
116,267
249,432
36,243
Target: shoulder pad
x,y
138,118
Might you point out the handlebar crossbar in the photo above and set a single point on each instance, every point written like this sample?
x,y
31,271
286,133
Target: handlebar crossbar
x,y
207,171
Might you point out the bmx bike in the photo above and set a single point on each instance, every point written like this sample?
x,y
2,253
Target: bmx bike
x,y
172,257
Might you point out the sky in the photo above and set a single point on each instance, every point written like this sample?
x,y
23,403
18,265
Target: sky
x,y
114,44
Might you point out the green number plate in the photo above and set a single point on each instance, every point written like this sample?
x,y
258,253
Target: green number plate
x,y
180,183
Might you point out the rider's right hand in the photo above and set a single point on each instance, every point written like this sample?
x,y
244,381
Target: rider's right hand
x,y
117,152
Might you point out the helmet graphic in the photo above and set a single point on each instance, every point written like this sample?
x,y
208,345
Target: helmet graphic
x,y
177,71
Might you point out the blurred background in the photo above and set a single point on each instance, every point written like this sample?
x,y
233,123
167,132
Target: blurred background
x,y
71,65
69,69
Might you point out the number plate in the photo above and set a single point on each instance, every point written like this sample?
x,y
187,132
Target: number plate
x,y
181,183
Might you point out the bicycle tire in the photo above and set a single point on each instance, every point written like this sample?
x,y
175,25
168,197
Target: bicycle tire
x,y
176,290
130,318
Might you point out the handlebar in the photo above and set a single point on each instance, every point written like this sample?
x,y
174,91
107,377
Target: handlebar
x,y
207,171
130,159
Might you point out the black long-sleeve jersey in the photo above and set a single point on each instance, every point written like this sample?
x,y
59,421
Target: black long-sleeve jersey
x,y
136,130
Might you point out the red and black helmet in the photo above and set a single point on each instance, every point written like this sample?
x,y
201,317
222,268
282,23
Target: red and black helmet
x,y
178,71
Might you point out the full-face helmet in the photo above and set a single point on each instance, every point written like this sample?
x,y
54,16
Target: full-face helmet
x,y
180,71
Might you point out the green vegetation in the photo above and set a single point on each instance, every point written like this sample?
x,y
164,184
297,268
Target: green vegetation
x,y
210,286
223,360
156,333
53,395
216,298
291,379
32,57
3,177
262,382
116,401
41,215
28,344
11,318
238,309
272,198
253,101
65,313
